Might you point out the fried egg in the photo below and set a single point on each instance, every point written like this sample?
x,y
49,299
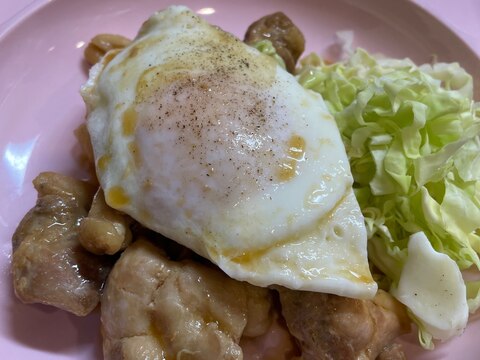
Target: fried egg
x,y
205,140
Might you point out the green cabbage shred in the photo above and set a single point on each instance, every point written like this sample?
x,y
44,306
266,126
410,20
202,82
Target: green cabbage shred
x,y
266,47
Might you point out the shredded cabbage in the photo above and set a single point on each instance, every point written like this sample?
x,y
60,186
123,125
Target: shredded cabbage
x,y
266,47
412,137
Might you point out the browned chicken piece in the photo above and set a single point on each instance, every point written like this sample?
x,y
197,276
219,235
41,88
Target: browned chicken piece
x,y
257,309
101,44
287,39
48,264
392,352
275,344
156,308
333,327
105,230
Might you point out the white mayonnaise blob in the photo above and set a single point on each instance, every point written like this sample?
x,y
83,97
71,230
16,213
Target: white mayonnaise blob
x,y
432,287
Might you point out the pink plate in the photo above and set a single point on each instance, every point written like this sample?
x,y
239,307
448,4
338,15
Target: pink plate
x,y
41,70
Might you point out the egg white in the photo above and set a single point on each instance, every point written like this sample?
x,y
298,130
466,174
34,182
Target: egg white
x,y
205,140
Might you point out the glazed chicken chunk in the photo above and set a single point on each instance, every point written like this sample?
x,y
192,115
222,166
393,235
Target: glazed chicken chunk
x,y
156,308
285,36
105,230
49,266
332,327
